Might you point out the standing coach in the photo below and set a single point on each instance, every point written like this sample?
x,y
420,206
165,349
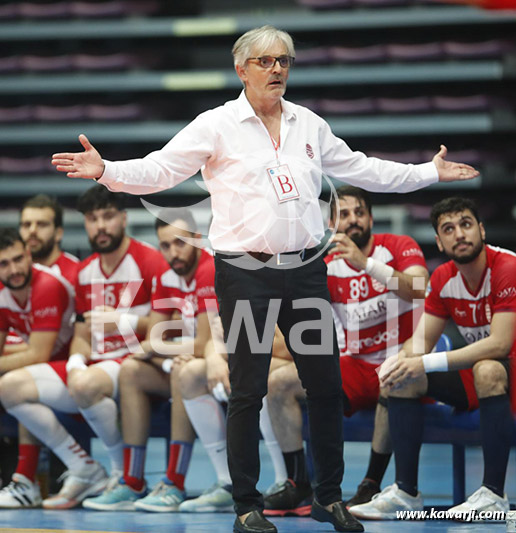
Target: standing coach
x,y
262,159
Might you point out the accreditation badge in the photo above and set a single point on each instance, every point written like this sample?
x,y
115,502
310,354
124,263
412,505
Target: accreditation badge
x,y
283,183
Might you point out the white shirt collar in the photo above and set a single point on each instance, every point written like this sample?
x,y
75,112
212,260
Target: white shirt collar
x,y
245,110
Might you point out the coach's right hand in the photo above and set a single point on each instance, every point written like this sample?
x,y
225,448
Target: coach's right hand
x,y
87,164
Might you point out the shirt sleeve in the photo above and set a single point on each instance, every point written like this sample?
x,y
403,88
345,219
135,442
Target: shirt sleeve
x,y
371,173
503,287
434,304
49,305
180,158
408,254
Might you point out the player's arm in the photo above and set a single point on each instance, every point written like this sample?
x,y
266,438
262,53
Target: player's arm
x,y
411,284
14,348
39,350
3,337
428,330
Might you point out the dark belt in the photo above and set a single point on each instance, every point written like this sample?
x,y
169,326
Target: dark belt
x,y
264,257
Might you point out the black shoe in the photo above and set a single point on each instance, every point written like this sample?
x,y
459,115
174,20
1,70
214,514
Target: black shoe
x,y
254,523
339,516
365,491
290,499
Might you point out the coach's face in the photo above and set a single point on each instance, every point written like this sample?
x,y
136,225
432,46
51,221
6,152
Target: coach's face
x,y
15,266
38,230
264,82
460,236
354,220
180,255
105,229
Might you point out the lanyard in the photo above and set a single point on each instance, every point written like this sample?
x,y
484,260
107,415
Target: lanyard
x,y
276,146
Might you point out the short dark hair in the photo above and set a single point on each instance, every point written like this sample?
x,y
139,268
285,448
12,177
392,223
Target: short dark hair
x,y
41,201
168,215
9,237
349,190
98,197
454,204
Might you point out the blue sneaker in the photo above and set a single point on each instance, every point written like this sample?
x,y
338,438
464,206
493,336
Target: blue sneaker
x,y
217,499
164,498
117,497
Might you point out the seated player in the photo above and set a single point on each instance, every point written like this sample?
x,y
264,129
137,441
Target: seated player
x,y
475,289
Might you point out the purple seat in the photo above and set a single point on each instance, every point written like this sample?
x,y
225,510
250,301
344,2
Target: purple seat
x,y
478,102
47,11
10,64
419,104
115,8
415,52
22,113
326,4
478,50
356,106
9,11
364,54
26,165
46,64
51,113
103,62
313,56
112,112
409,156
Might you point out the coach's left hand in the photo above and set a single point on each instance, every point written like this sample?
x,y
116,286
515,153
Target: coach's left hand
x,y
450,171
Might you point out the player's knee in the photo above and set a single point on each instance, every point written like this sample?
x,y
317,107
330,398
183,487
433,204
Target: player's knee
x,y
83,388
282,383
191,379
490,378
130,371
16,387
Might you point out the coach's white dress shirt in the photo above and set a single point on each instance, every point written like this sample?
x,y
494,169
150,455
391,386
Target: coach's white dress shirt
x,y
235,153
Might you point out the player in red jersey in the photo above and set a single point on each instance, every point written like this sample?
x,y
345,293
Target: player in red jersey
x,y
183,287
38,306
113,292
41,228
477,290
374,281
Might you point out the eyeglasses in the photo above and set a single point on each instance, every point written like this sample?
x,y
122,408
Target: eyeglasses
x,y
269,61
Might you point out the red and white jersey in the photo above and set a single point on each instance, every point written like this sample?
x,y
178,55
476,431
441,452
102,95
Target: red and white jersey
x,y
372,322
66,265
449,296
49,307
128,289
173,293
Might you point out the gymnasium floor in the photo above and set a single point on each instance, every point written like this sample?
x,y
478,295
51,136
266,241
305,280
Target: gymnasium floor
x,y
435,483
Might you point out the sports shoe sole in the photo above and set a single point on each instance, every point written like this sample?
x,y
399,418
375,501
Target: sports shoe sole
x,y
94,490
208,509
155,508
120,506
303,510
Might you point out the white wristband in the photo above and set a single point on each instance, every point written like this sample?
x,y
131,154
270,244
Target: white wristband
x,y
166,365
219,392
76,360
379,271
128,323
435,362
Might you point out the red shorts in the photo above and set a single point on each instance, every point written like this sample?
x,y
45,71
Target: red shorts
x,y
359,383
59,367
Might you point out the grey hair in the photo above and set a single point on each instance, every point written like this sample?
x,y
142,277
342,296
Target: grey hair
x,y
259,40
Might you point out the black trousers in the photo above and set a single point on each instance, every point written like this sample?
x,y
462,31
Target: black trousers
x,y
260,292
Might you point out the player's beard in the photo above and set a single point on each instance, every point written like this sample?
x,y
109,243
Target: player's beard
x,y
186,265
113,245
44,250
362,238
26,281
467,258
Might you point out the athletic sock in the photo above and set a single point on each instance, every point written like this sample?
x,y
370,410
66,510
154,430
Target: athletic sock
x,y
378,463
179,460
296,467
496,436
209,421
28,455
273,447
103,419
406,428
134,463
41,421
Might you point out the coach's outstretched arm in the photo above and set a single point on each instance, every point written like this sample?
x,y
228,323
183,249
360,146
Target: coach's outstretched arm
x,y
87,164
449,171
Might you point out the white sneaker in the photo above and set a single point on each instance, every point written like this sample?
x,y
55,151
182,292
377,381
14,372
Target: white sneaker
x,y
483,499
217,499
21,492
383,505
77,486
